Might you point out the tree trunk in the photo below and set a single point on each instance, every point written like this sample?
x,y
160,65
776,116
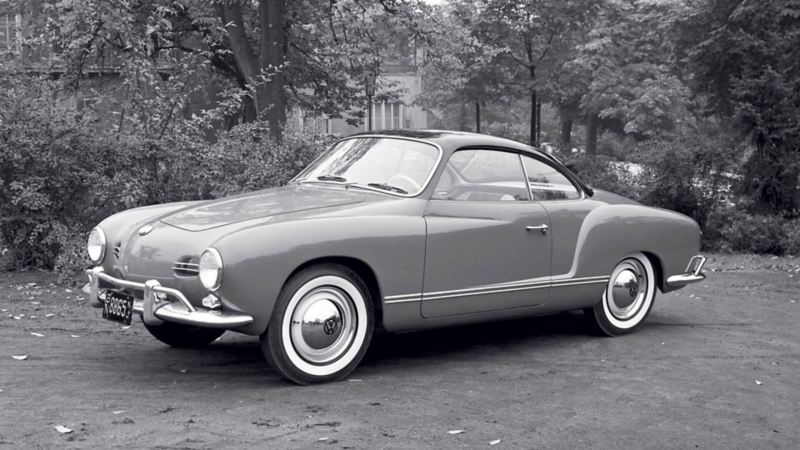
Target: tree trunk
x,y
268,99
566,133
538,122
272,56
477,116
533,139
591,134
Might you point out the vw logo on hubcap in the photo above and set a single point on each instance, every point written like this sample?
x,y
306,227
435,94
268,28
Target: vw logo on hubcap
x,y
330,326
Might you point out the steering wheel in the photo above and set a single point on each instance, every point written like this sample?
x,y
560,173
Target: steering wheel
x,y
404,181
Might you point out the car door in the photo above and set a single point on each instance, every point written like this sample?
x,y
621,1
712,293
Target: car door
x,y
488,244
566,206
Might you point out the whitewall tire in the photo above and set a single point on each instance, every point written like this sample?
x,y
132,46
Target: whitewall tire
x,y
321,326
628,298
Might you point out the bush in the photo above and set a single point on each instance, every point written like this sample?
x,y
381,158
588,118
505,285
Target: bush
x,y
745,232
245,158
55,175
598,172
60,174
791,237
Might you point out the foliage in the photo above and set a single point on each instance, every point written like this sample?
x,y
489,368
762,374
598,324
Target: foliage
x,y
600,173
60,174
55,174
246,158
500,51
743,232
746,67
230,51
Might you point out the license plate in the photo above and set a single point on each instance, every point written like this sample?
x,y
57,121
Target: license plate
x,y
118,307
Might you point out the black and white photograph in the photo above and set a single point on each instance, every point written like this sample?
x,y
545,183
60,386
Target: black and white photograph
x,y
400,224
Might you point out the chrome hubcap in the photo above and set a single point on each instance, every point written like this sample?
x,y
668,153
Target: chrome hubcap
x,y
627,289
323,325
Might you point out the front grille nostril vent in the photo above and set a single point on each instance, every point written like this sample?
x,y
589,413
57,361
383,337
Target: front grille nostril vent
x,y
117,249
188,266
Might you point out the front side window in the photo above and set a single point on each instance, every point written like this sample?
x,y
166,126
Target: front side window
x,y
547,183
482,175
394,165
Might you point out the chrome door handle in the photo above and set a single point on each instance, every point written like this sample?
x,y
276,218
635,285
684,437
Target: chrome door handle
x,y
543,228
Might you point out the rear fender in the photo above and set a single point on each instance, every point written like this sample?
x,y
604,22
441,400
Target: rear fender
x,y
609,233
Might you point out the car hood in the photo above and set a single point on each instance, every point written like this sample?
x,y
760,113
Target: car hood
x,y
260,204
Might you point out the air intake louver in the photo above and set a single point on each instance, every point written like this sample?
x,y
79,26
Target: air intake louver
x,y
117,249
188,266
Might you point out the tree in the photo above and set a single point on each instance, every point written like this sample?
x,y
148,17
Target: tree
x,y
264,57
744,58
504,50
624,73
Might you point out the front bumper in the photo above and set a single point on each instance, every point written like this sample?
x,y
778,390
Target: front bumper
x,y
161,304
693,273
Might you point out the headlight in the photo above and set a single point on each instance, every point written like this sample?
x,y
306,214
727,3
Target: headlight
x,y
211,269
96,245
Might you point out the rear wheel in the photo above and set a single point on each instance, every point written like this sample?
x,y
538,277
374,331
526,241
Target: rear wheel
x,y
628,297
183,336
321,326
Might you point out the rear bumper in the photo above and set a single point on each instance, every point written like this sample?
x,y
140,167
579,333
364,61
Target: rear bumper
x,y
693,274
161,304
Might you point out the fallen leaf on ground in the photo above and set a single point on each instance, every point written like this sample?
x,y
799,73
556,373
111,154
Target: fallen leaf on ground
x,y
119,412
20,357
73,335
126,327
49,315
759,383
37,334
62,429
494,442
455,431
322,439
184,370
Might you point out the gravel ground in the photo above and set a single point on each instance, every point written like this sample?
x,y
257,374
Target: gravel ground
x,y
717,365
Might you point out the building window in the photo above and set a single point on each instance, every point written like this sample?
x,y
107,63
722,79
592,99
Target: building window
x,y
10,31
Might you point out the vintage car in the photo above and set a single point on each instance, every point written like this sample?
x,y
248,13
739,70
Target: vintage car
x,y
402,230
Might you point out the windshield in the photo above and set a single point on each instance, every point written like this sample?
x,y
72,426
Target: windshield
x,y
397,166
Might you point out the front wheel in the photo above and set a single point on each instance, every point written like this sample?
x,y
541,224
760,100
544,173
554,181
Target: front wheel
x,y
628,297
321,326
183,336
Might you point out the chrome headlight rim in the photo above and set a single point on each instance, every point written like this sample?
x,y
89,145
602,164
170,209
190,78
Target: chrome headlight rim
x,y
96,245
210,269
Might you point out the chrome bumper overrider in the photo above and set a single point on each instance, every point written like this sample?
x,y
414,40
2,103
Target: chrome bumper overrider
x,y
693,273
158,303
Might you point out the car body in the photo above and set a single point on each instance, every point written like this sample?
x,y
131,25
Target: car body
x,y
401,230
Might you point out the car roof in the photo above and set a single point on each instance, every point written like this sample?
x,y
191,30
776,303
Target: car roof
x,y
453,140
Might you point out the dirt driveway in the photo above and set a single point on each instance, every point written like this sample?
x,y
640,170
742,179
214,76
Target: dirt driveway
x,y
716,366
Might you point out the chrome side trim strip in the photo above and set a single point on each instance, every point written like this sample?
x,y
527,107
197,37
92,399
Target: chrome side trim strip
x,y
520,285
415,298
496,291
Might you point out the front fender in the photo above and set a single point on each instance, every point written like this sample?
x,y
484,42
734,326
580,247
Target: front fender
x,y
258,260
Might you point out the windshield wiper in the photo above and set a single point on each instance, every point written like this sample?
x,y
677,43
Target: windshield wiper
x,y
328,177
388,187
